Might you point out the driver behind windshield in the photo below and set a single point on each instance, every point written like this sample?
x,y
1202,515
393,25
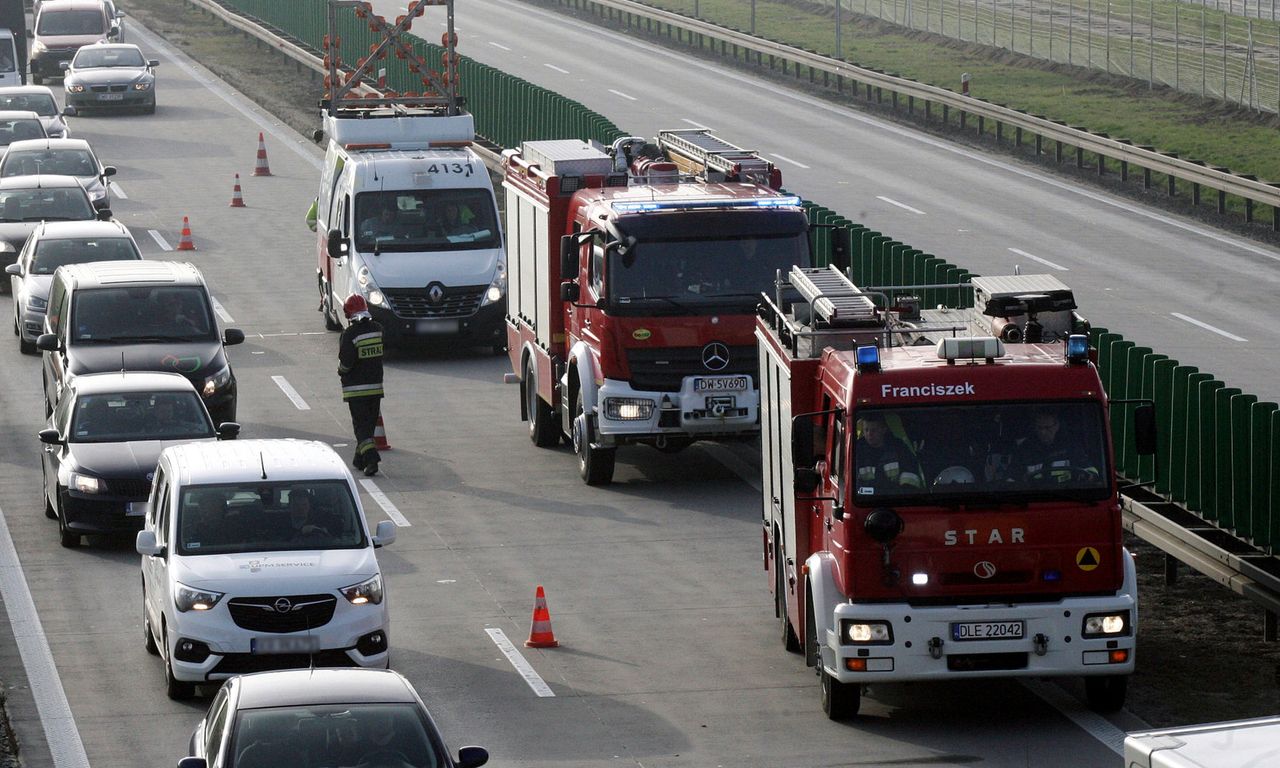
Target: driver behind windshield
x,y
1048,455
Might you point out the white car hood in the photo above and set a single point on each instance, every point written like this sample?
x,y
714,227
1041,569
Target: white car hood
x,y
392,269
263,574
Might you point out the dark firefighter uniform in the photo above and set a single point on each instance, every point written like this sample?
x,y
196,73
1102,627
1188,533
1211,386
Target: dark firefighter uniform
x,y
360,369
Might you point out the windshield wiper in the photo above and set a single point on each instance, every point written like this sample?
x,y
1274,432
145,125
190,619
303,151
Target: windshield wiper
x,y
669,299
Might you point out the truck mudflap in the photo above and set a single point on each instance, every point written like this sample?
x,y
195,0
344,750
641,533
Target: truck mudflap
x,y
704,407
1032,639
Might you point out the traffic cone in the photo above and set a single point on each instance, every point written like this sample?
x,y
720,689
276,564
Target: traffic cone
x,y
262,169
237,199
186,244
380,436
540,634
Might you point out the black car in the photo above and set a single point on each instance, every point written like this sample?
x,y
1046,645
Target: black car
x,y
137,316
25,201
102,444
338,717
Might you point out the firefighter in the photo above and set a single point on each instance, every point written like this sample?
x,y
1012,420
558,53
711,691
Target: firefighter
x,y
1049,457
882,460
360,369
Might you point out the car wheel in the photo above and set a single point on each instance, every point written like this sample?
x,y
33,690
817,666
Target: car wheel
x,y
175,689
326,307
49,511
66,537
26,347
149,639
16,332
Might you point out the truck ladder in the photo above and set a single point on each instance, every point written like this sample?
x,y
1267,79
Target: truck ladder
x,y
833,297
702,151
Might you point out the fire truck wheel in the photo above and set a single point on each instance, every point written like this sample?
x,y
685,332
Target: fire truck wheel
x,y
790,640
543,430
594,464
810,633
1106,694
839,700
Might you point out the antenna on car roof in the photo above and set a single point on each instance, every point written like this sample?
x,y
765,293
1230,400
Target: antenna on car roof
x,y
262,459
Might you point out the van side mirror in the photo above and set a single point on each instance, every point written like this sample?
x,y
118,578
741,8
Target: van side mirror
x,y
232,336
13,269
105,214
568,257
569,291
228,430
146,544
1144,429
806,479
384,534
50,437
336,246
48,342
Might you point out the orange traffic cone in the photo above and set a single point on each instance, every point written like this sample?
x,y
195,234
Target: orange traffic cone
x,y
380,436
186,244
540,634
262,169
237,199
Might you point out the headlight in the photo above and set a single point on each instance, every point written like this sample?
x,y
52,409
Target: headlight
x,y
37,304
368,591
1106,624
370,288
142,86
628,408
866,632
190,599
86,484
498,288
75,89
37,47
217,381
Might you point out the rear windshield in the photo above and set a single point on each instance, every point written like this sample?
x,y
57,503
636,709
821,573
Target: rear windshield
x,y
65,162
54,204
268,517
51,254
142,314
133,416
70,22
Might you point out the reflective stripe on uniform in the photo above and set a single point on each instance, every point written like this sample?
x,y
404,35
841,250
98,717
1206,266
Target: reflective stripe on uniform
x,y
361,390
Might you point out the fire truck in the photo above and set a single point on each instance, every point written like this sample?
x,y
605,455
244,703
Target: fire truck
x,y
939,498
634,273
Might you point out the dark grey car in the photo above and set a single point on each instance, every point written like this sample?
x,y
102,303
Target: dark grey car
x,y
111,76
25,201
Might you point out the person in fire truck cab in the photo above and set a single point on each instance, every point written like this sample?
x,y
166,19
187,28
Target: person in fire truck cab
x,y
882,460
1048,455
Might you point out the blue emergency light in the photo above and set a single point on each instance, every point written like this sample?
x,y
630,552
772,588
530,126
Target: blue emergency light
x,y
1077,348
868,359
790,201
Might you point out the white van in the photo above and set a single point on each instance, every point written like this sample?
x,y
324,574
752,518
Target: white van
x,y
1235,744
9,65
256,556
408,219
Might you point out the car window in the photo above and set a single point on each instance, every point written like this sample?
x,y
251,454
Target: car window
x,y
268,516
132,416
20,129
159,488
51,254
71,22
58,304
46,204
62,414
144,314
329,734
215,726
67,162
88,58
40,103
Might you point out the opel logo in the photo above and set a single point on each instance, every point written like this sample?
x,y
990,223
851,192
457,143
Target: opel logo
x,y
435,293
984,569
715,356
283,605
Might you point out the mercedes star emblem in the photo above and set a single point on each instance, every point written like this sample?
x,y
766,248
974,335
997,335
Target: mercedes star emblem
x,y
283,605
715,356
984,569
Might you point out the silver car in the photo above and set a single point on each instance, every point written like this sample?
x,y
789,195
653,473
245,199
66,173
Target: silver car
x,y
50,246
111,75
16,125
67,157
38,99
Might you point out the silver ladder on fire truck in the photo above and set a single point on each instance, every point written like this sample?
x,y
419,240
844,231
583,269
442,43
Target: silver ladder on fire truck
x,y
699,153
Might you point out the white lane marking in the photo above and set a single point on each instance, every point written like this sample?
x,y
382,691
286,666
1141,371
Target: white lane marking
x,y
523,668
558,69
1207,327
291,393
164,244
623,95
292,333
33,646
377,495
903,206
118,190
220,310
786,159
499,45
1090,722
1034,257
695,125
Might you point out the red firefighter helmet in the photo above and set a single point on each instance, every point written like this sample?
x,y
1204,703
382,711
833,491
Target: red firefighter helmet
x,y
354,304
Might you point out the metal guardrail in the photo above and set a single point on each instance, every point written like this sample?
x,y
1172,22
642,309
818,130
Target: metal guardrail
x,y
1266,193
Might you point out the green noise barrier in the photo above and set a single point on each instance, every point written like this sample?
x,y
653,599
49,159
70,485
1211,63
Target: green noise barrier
x,y
1219,448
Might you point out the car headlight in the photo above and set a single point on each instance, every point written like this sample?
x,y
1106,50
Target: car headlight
x,y
191,599
217,381
142,86
86,484
498,288
74,88
370,288
368,592
37,304
866,632
1106,624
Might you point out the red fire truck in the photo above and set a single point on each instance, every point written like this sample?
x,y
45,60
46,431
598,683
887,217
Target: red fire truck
x,y
634,273
937,505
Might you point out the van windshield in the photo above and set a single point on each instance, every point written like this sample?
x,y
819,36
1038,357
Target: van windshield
x,y
142,314
71,22
426,220
268,517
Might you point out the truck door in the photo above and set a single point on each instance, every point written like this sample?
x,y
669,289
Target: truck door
x,y
834,472
339,269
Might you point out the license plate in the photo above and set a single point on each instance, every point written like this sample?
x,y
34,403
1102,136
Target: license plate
x,y
111,97
434,327
721,384
305,644
133,509
988,630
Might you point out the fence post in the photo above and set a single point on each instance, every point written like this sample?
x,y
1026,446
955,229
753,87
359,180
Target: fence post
x,y
1260,440
1207,487
1157,384
1242,465
1225,473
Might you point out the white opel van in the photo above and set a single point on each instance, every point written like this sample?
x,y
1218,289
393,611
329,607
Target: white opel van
x,y
256,556
408,219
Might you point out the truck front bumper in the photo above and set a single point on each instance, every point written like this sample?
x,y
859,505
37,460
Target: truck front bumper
x,y
627,415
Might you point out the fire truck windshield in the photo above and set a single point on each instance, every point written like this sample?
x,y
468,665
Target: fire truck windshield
x,y
956,453
688,275
425,220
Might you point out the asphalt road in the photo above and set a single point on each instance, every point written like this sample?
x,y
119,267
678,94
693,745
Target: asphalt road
x,y
669,650
1184,289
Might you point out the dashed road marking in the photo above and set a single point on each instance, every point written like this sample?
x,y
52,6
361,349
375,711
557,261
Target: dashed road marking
x,y
1036,258
627,96
118,191
523,668
220,310
1207,327
164,244
695,125
786,159
903,206
378,496
558,69
291,393
499,45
